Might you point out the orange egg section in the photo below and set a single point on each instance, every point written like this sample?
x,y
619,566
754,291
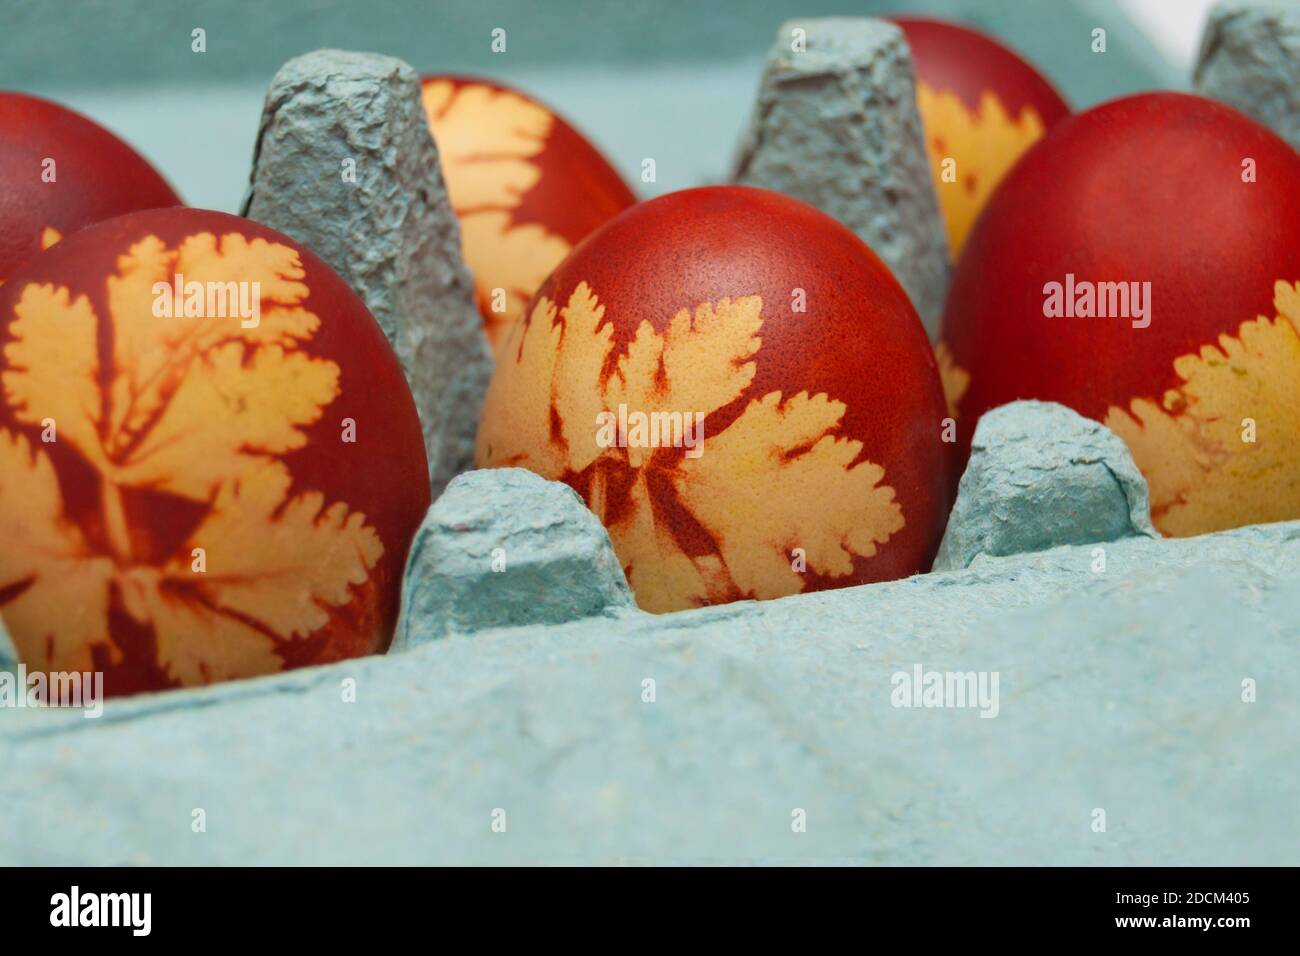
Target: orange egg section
x,y
1142,266
526,186
58,172
982,106
210,462
740,390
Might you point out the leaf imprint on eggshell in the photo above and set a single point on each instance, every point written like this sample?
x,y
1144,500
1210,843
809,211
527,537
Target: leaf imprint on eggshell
x,y
985,143
487,139
1203,475
198,409
779,476
49,237
954,378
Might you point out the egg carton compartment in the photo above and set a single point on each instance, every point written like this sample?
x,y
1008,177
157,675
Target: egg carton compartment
x,y
535,716
529,712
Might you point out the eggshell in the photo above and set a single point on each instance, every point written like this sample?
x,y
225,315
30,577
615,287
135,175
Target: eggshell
x,y
982,106
187,498
60,171
526,186
1203,204
821,462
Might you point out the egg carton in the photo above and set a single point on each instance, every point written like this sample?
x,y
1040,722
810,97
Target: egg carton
x,y
1065,687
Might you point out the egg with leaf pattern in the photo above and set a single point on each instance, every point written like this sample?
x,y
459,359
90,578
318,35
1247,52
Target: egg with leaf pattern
x,y
525,184
1141,265
982,106
210,462
740,390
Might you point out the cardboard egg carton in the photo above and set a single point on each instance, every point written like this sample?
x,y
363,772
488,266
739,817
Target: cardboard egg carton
x,y
1066,687
1056,706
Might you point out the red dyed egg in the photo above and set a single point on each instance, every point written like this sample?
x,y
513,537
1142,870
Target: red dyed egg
x,y
210,461
526,186
740,390
1140,265
58,172
982,106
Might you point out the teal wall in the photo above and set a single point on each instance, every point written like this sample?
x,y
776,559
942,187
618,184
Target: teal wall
x,y
669,79
65,42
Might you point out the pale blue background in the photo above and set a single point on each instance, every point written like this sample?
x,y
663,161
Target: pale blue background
x,y
670,79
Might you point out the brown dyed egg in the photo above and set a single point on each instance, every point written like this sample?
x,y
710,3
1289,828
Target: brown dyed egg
x,y
526,186
210,461
982,106
58,172
740,390
1141,265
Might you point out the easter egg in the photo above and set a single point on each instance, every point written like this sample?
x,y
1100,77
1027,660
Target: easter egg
x,y
58,172
526,186
740,390
982,106
210,462
1142,266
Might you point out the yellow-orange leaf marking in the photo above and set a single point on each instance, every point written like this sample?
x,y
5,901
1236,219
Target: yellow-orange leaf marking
x,y
955,379
985,144
1203,475
780,476
199,408
487,139
49,237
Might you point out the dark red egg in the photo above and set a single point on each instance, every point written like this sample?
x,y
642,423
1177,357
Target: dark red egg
x,y
526,186
1140,265
740,390
60,171
982,106
210,462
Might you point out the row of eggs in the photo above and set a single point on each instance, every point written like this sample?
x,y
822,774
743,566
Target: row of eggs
x,y
176,501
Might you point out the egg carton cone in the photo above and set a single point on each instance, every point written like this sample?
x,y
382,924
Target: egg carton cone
x,y
344,163
836,125
1250,58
